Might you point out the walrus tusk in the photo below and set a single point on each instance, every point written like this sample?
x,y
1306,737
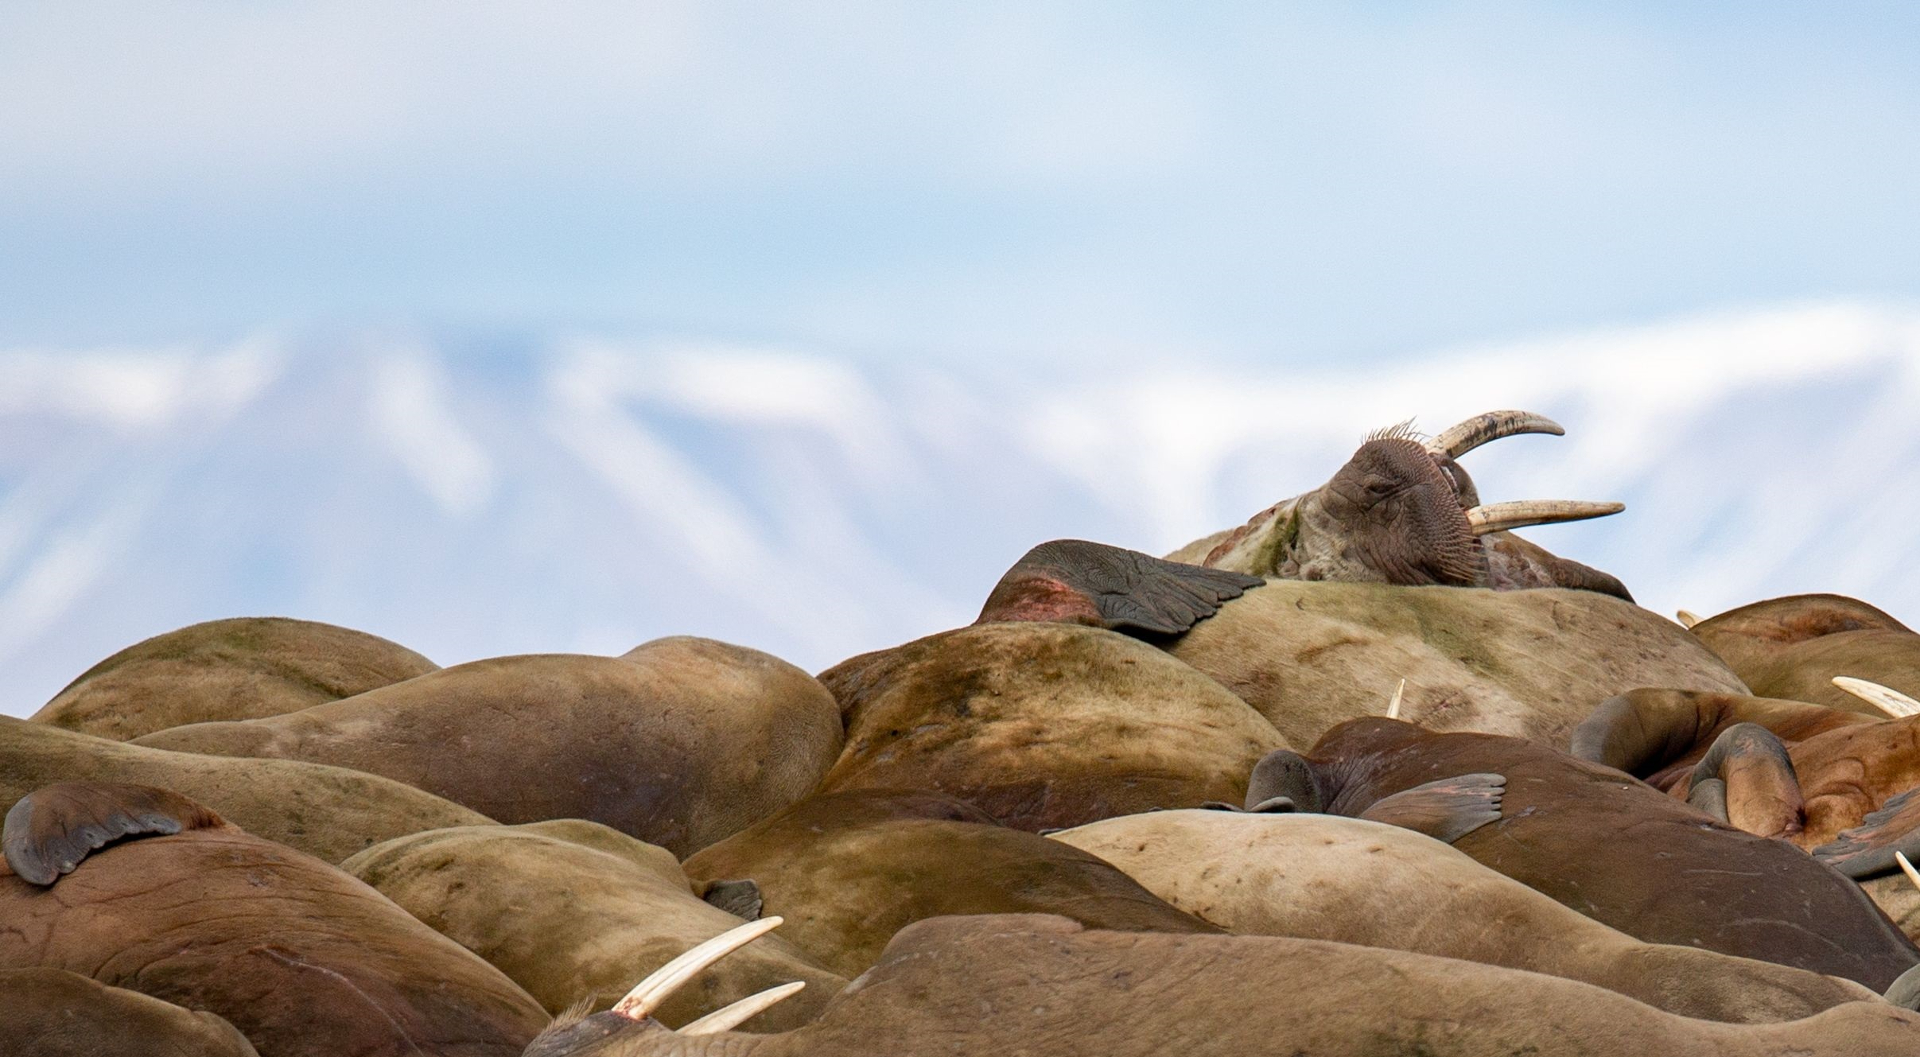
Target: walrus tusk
x,y
1493,425
728,1017
1499,517
647,995
1393,706
1688,618
1885,698
1907,868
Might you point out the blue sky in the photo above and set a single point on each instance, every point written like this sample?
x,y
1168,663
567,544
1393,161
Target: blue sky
x,y
1280,183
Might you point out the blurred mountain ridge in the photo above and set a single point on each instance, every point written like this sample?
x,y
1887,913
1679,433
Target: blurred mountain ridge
x,y
580,493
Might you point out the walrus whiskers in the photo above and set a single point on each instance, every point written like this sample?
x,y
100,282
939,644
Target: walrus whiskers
x,y
728,1017
648,994
1885,698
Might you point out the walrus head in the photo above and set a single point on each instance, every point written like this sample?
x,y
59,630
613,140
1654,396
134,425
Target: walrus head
x,y
1403,511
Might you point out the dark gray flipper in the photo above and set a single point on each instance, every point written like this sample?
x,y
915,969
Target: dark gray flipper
x,y
1762,793
1867,850
1078,582
1445,810
52,829
1710,796
1905,991
739,898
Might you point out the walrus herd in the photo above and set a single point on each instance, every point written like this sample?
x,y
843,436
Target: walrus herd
x,y
1368,775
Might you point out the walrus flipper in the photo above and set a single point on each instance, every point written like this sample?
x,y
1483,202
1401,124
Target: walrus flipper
x,y
1762,793
1077,582
1445,810
740,898
53,828
1867,850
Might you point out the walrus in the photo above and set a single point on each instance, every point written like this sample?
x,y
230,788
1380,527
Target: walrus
x,y
1042,725
142,888
241,668
1000,984
1374,884
1403,511
327,812
1840,785
1526,663
1609,846
1793,647
575,912
55,1013
848,870
679,742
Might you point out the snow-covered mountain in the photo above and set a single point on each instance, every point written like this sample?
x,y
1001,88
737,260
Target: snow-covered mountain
x,y
580,494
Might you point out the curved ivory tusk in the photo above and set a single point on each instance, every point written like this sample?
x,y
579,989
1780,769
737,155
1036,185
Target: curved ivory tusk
x,y
1491,426
647,995
1393,706
1907,867
1499,517
728,1017
1688,618
1885,698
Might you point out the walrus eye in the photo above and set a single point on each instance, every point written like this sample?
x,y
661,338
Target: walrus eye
x,y
1379,487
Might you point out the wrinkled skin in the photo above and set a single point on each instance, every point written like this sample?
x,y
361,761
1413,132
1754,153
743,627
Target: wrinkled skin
x,y
1042,725
574,911
1349,880
849,870
679,742
300,957
1839,766
988,986
1625,854
54,1013
327,812
1531,664
1395,513
1792,648
242,668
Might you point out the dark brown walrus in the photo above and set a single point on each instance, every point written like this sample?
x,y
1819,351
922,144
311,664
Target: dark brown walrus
x,y
161,896
1838,784
242,668
1610,847
848,870
679,742
1035,984
55,1013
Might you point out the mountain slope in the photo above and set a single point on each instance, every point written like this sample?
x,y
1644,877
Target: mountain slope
x,y
578,494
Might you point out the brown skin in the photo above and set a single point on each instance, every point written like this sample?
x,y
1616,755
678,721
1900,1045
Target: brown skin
x,y
680,742
1349,880
327,812
1043,725
1625,854
849,870
242,668
987,986
576,912
1841,766
297,955
1396,514
54,1013
1792,648
1528,663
